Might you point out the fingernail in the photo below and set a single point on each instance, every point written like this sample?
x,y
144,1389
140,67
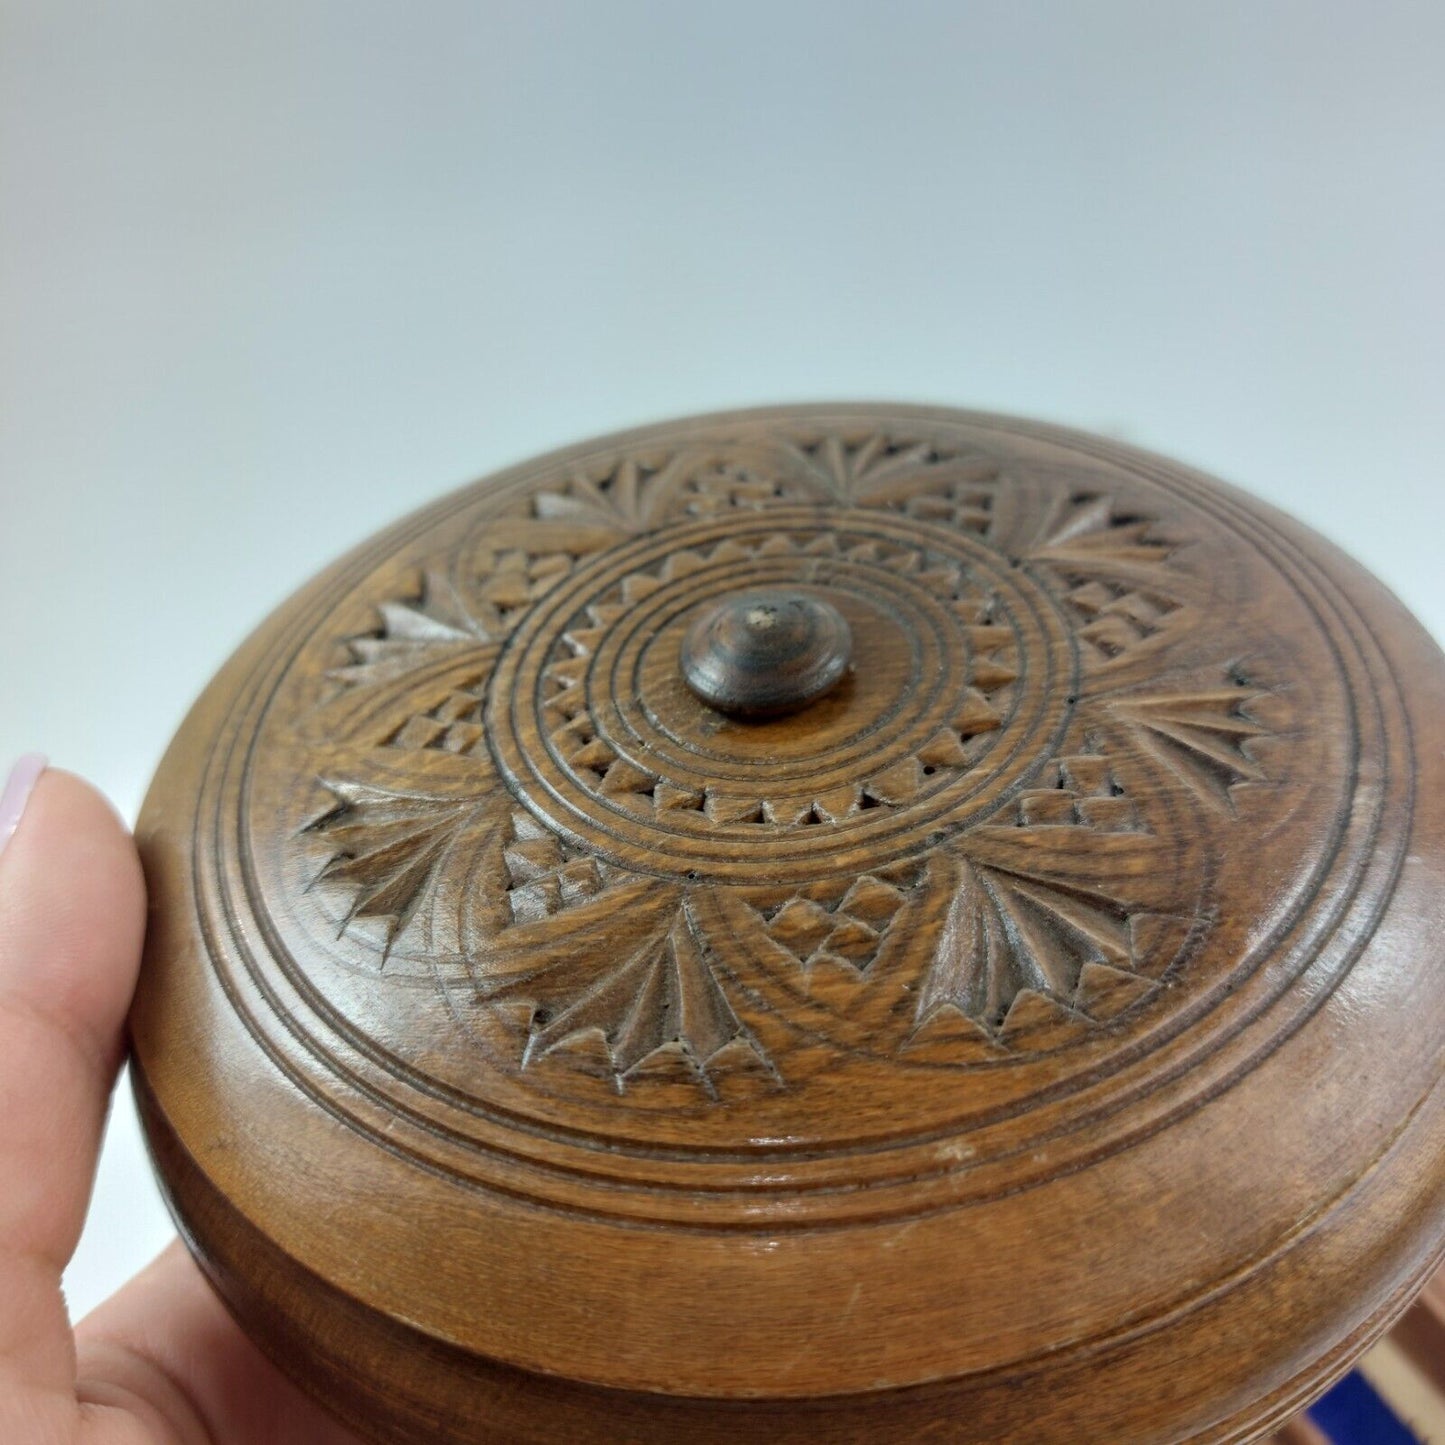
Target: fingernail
x,y
18,787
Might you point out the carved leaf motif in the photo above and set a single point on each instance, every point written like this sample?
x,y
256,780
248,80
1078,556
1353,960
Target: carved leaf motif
x,y
854,466
437,622
1110,564
628,497
1202,738
1041,916
446,618
660,1004
1085,528
386,849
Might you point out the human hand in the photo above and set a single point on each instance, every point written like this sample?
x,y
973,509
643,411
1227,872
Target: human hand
x,y
161,1362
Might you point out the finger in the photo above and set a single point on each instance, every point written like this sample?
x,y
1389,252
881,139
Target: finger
x,y
72,910
164,1352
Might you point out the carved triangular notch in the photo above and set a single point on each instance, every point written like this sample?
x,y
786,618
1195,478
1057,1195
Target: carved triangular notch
x,y
1104,992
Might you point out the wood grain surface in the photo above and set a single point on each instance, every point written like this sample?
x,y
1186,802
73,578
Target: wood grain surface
x,y
1036,1037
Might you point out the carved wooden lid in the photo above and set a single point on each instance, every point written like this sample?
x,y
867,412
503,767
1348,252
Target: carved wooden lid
x,y
1044,1019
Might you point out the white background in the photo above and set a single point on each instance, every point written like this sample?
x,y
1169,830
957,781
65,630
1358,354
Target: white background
x,y
273,273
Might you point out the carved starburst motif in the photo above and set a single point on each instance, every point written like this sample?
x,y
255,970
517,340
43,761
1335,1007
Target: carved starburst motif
x,y
1026,892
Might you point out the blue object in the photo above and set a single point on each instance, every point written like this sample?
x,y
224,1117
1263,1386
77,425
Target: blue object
x,y
1351,1413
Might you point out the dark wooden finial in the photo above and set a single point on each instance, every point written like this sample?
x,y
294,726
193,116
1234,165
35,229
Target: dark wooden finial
x,y
766,653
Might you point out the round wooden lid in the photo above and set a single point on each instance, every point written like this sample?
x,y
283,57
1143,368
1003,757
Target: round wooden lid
x,y
1032,1033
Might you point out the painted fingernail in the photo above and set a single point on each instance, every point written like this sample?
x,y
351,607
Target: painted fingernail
x,y
18,787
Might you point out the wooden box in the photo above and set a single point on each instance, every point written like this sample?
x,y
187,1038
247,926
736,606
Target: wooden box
x,y
1030,1031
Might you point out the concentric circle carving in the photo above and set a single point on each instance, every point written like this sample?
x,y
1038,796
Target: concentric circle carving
x,y
596,734
550,923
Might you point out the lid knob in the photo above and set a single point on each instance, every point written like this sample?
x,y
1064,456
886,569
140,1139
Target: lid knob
x,y
764,653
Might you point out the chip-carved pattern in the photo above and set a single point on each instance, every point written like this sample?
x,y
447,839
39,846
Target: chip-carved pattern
x,y
1032,943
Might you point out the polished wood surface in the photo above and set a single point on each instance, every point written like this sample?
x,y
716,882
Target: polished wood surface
x,y
1037,1036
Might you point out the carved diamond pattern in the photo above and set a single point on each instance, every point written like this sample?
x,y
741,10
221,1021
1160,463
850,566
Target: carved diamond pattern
x,y
843,931
543,875
728,486
1115,617
1084,794
452,725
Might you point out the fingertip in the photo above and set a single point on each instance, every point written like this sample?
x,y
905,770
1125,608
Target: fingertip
x,y
16,793
72,906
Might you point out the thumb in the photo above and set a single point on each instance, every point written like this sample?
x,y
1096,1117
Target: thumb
x,y
72,913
